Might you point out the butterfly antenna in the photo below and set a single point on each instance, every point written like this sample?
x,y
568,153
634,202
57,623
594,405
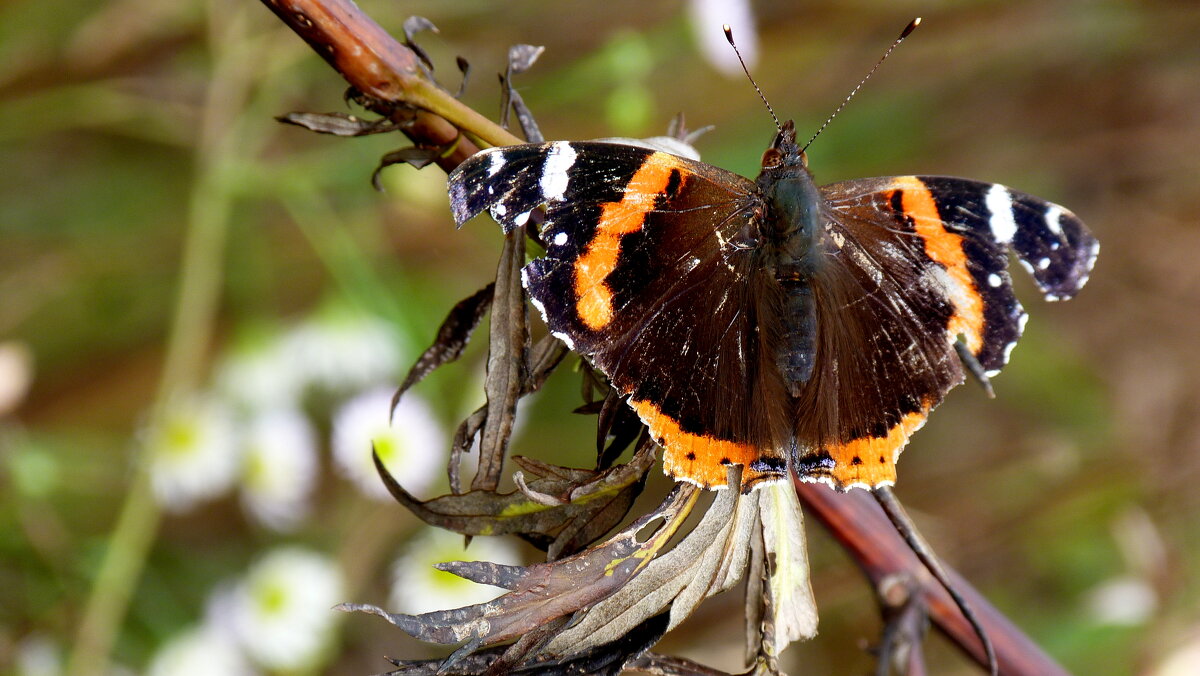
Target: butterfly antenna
x,y
904,525
903,34
729,37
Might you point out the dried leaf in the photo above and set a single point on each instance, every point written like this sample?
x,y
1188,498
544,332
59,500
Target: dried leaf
x,y
412,26
453,336
464,438
522,57
756,591
794,607
506,366
338,124
592,503
547,355
543,592
609,659
666,665
618,426
464,67
605,512
708,560
417,157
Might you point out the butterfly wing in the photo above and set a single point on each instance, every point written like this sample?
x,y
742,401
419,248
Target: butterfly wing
x,y
920,262
648,273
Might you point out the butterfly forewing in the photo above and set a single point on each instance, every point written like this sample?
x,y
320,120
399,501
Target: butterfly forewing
x,y
648,254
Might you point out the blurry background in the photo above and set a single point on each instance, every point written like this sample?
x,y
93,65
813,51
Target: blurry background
x,y
202,313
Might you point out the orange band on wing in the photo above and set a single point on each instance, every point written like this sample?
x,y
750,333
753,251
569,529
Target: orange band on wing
x,y
701,460
595,298
946,248
871,461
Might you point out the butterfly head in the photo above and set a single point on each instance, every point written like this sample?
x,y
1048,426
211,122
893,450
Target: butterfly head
x,y
784,151
790,215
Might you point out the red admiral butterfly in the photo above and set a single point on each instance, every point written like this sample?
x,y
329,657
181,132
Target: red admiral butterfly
x,y
774,323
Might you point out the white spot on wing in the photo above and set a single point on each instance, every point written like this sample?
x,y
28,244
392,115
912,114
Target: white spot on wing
x,y
1007,353
499,210
554,174
1000,206
495,162
521,219
564,338
1053,214
560,239
1043,263
994,280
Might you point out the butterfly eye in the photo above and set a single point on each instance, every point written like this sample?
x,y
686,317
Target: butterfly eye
x,y
772,157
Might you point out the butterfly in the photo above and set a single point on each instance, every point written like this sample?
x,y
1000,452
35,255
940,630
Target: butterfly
x,y
774,323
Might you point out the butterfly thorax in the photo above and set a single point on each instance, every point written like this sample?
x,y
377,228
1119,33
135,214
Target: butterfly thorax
x,y
789,226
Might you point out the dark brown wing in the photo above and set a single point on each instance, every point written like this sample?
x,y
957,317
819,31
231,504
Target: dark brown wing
x,y
648,272
915,264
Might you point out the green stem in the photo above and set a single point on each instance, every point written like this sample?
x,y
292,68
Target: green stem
x,y
190,334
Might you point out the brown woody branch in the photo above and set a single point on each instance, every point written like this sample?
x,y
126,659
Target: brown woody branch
x,y
390,81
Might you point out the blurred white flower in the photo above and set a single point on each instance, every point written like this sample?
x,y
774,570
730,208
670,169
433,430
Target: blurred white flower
x,y
340,350
192,451
258,373
279,468
708,16
282,612
1124,600
199,651
37,655
412,447
418,587
1184,660
16,374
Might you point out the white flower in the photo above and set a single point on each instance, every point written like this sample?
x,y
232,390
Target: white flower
x,y
279,468
37,655
340,350
707,18
199,651
412,447
259,374
1183,660
282,612
418,587
192,452
16,374
1125,600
